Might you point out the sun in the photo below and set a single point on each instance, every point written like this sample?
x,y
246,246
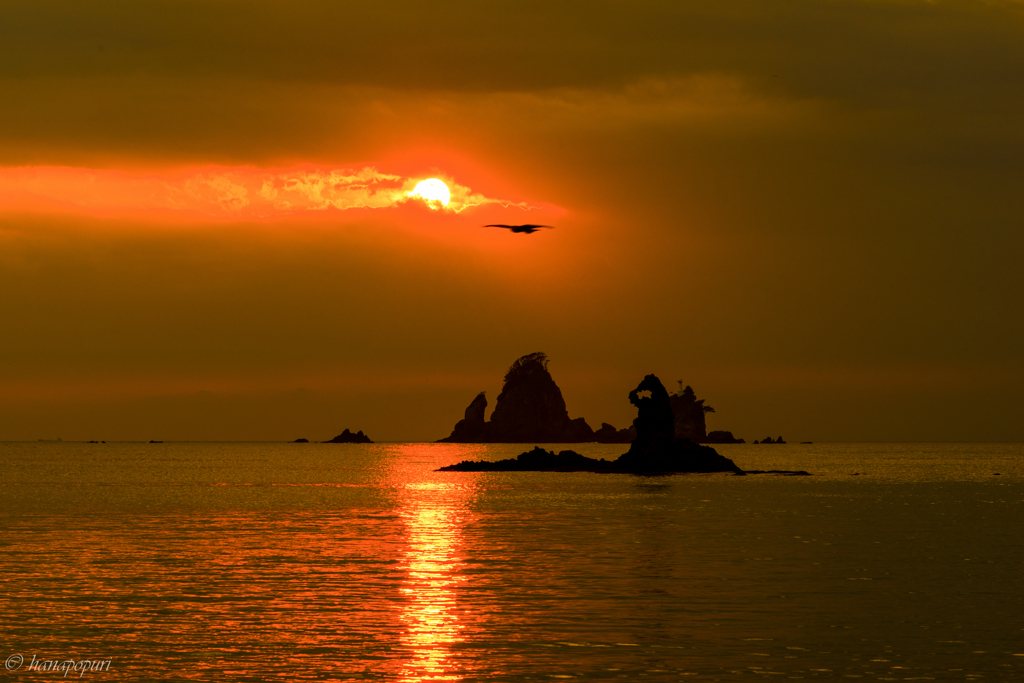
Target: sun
x,y
434,192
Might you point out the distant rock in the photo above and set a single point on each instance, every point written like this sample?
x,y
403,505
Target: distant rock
x,y
306,440
348,437
609,434
769,440
719,436
156,441
530,408
654,450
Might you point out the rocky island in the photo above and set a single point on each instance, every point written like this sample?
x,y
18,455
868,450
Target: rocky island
x,y
690,421
655,450
530,409
348,437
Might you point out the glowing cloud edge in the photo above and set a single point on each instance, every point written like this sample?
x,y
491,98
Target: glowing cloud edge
x,y
224,192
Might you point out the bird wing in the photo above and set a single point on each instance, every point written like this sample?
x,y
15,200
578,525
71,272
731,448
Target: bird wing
x,y
527,226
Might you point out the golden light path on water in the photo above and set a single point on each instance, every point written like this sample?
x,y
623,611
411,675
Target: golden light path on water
x,y
434,514
343,562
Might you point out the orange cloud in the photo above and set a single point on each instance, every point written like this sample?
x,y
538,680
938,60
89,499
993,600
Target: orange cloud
x,y
235,193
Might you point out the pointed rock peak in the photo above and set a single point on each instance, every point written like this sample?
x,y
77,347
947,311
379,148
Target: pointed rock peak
x,y
530,407
475,410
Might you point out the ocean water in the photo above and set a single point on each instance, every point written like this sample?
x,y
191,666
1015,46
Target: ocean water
x,y
268,561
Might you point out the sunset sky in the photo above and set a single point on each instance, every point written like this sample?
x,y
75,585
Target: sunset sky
x,y
810,211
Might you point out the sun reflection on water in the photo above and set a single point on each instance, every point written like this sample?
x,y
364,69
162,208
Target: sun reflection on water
x,y
434,515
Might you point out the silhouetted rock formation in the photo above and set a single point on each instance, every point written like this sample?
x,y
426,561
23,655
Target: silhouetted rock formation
x,y
304,440
348,437
769,440
689,412
690,419
530,408
654,450
537,460
471,429
609,434
719,436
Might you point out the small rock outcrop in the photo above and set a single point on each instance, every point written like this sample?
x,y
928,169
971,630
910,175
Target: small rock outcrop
x,y
609,434
769,440
530,408
655,449
302,440
537,460
348,437
720,436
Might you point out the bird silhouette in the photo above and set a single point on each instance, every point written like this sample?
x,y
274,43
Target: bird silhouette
x,y
528,228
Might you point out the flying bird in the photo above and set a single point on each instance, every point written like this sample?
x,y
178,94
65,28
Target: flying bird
x,y
528,228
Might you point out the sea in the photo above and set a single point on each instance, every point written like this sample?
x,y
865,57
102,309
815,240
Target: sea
x,y
339,562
